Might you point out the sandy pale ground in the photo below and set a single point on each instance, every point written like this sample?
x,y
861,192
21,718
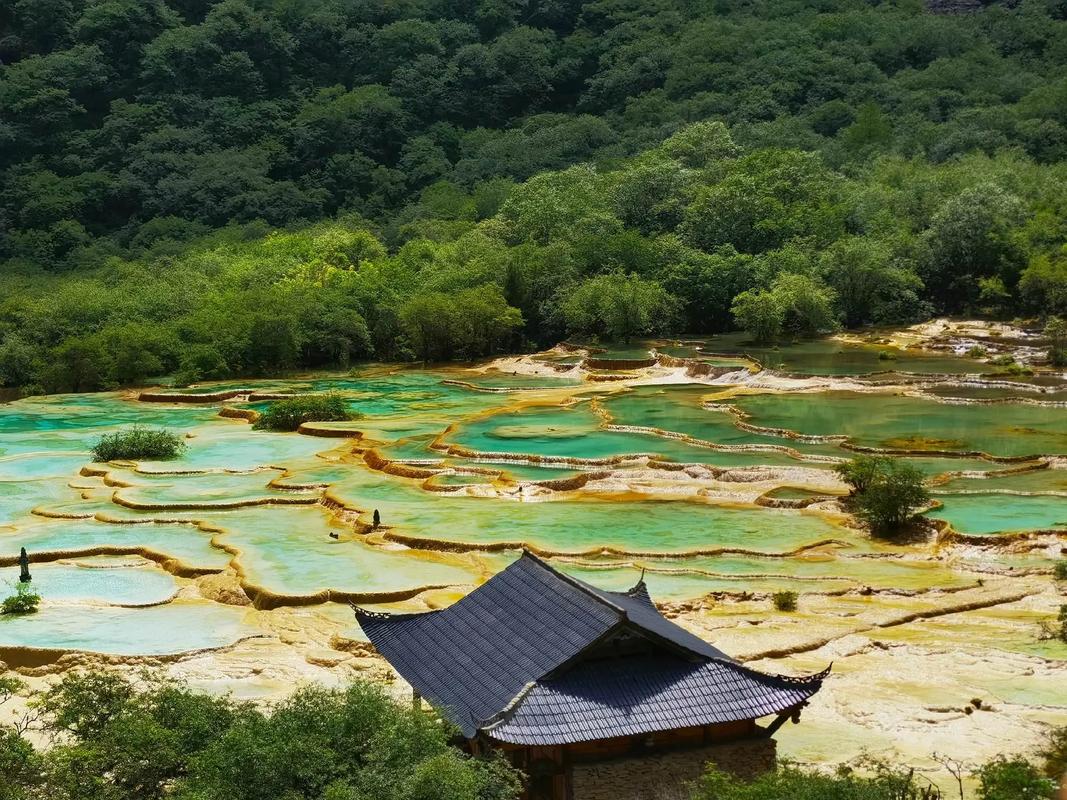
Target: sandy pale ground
x,y
958,673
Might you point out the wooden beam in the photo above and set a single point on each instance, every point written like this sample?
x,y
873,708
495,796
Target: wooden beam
x,y
793,712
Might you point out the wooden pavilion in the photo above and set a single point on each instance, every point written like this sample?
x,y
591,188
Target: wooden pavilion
x,y
577,684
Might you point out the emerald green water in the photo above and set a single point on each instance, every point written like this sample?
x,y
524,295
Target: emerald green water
x,y
830,357
183,542
205,490
104,580
172,628
678,579
495,379
1040,480
678,409
646,526
579,432
289,551
1023,391
903,422
263,503
993,513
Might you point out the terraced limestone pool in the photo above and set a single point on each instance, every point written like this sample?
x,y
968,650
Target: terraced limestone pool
x,y
710,476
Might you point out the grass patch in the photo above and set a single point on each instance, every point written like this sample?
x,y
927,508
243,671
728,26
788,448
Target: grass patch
x,y
290,414
139,442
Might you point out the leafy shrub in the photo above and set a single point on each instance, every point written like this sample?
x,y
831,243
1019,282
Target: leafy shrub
x,y
122,743
291,413
1059,572
887,355
885,783
1002,360
185,377
139,442
24,601
1057,629
19,766
1055,753
785,601
977,352
1013,779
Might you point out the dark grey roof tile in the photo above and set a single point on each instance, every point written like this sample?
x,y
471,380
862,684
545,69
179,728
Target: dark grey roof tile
x,y
472,659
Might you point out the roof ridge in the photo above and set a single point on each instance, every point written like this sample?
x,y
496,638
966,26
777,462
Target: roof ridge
x,y
624,615
577,584
507,712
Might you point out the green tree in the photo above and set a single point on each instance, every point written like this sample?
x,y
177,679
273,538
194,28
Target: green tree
x,y
807,304
862,471
1012,779
165,740
797,304
470,323
200,361
136,351
1043,284
24,601
766,199
617,307
760,313
429,321
77,365
972,236
871,129
870,285
19,365
355,743
886,492
1056,333
652,197
702,145
552,204
20,765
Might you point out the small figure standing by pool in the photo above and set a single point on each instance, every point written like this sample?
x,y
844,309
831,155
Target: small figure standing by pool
x,y
24,567
377,518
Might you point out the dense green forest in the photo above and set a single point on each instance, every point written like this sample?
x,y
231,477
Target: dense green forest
x,y
250,186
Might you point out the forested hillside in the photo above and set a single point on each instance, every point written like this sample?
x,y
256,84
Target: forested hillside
x,y
245,187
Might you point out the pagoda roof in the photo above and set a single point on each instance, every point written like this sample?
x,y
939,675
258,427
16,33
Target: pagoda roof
x,y
504,658
641,695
